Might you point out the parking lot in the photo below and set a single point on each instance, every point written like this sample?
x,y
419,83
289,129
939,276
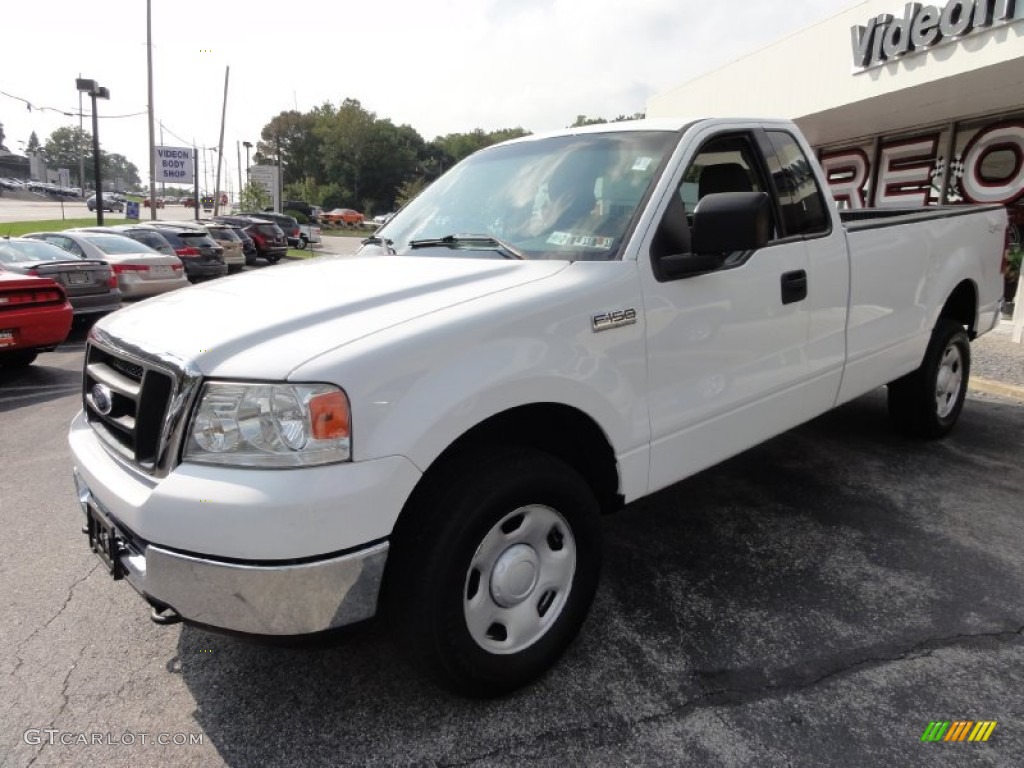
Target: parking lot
x,y
815,601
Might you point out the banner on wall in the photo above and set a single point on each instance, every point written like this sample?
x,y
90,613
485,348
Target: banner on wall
x,y
987,167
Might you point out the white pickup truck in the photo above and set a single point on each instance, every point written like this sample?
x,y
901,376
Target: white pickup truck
x,y
560,325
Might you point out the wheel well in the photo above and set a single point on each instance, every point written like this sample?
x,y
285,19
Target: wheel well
x,y
962,306
557,429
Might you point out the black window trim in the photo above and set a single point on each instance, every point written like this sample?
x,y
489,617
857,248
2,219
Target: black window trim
x,y
768,148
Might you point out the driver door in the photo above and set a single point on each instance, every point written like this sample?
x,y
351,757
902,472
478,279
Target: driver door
x,y
726,349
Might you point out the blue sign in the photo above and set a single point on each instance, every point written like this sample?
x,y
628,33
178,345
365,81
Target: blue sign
x,y
131,210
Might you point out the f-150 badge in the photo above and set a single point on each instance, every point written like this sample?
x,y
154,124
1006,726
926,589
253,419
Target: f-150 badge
x,y
614,319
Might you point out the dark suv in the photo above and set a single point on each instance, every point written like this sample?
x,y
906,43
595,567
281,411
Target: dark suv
x,y
268,238
288,225
199,253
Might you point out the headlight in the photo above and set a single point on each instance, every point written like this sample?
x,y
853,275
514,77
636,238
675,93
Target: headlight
x,y
270,425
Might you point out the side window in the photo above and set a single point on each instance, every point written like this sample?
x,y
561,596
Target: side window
x,y
727,163
64,244
803,205
724,164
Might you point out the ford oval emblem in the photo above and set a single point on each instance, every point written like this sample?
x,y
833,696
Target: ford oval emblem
x,y
102,398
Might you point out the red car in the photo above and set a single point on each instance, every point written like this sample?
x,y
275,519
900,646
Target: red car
x,y
159,202
35,316
342,216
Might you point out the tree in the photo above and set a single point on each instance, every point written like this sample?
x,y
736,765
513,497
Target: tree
x,y
33,143
299,143
582,120
455,146
409,189
2,137
254,198
115,166
66,145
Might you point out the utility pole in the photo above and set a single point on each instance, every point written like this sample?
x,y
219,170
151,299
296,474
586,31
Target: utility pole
x,y
81,150
220,146
238,151
152,131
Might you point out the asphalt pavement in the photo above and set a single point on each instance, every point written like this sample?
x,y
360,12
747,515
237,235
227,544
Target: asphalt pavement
x,y
815,601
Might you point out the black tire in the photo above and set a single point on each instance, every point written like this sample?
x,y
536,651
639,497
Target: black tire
x,y
433,579
20,359
927,402
273,259
301,245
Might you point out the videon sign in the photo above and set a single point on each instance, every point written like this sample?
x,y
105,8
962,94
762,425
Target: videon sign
x,y
174,164
923,26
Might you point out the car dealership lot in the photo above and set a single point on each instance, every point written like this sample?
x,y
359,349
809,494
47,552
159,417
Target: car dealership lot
x,y
817,600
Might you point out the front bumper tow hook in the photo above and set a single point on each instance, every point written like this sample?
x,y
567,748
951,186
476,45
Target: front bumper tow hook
x,y
164,616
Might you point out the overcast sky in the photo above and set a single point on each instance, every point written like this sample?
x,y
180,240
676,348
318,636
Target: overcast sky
x,y
441,67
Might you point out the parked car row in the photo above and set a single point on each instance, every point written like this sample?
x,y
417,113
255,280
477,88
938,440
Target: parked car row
x,y
49,278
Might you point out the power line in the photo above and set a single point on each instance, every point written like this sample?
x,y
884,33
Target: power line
x,y
73,113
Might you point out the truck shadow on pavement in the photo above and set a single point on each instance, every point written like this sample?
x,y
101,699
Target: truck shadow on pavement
x,y
43,381
824,576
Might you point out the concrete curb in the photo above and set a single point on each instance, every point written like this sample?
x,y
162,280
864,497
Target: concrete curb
x,y
989,387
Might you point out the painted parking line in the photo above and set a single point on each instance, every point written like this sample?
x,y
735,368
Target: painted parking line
x,y
990,387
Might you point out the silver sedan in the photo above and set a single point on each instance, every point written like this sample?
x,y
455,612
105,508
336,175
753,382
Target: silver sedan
x,y
141,271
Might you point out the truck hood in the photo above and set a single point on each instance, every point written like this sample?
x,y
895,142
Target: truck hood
x,y
264,324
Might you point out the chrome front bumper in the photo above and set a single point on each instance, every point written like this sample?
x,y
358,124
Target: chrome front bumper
x,y
292,599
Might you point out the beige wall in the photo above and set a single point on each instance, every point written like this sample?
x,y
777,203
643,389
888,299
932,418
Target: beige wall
x,y
810,77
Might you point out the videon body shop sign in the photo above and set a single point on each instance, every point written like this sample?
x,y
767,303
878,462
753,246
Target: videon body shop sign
x,y
174,164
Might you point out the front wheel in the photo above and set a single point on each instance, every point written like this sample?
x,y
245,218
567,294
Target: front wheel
x,y
493,570
301,245
927,402
273,259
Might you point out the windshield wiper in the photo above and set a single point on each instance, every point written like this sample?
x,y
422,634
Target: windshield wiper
x,y
478,241
376,240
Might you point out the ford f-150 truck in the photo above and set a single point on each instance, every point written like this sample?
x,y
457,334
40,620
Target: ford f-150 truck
x,y
560,325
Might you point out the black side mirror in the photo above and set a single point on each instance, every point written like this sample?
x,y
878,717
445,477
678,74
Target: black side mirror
x,y
731,221
723,223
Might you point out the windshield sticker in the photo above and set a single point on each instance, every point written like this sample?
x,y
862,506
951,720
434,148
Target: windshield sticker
x,y
580,241
642,163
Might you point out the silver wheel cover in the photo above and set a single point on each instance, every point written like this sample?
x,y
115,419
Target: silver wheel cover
x,y
948,381
519,579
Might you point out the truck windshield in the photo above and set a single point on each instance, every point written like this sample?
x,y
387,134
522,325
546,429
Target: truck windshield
x,y
566,197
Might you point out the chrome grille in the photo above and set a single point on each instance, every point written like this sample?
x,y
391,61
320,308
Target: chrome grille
x,y
127,403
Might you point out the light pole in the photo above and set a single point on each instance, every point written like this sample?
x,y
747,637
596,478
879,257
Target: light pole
x,y
95,92
248,146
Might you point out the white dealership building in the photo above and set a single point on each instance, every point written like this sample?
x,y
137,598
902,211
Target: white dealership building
x,y
905,104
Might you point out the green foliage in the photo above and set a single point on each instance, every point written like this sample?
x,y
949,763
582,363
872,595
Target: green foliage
x,y
19,228
117,166
2,137
409,190
299,216
1013,260
64,148
67,145
582,120
33,143
254,198
345,156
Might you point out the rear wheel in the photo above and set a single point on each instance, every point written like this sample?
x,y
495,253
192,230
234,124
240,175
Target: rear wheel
x,y
927,402
303,242
493,571
273,259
